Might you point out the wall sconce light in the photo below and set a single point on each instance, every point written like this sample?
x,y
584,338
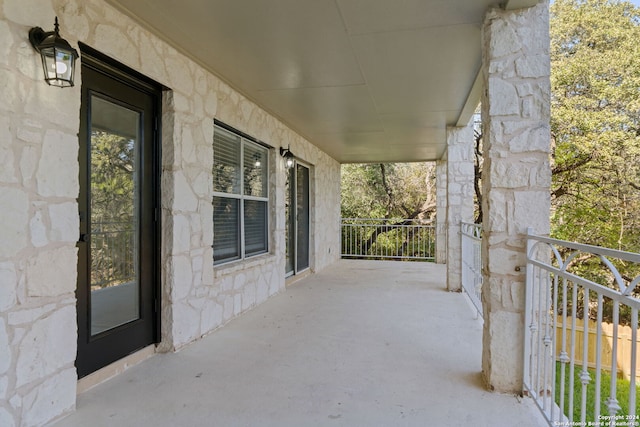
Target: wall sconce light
x,y
58,57
288,156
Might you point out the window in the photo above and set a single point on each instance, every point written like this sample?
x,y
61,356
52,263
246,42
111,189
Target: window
x,y
240,196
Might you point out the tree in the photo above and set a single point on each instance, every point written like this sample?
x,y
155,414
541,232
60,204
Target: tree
x,y
398,194
389,190
595,122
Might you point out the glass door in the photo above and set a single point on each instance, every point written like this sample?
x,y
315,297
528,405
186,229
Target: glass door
x,y
297,217
117,249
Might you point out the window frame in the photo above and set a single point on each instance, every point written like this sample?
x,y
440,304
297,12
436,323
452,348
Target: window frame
x,y
242,197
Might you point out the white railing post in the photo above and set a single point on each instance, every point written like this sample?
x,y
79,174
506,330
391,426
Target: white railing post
x,y
471,274
563,312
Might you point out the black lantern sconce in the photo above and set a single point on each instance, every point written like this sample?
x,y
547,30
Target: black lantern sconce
x,y
288,156
58,57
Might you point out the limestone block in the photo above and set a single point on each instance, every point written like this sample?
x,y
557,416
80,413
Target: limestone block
x,y
7,44
27,63
497,214
5,349
227,312
59,108
28,164
7,157
211,316
526,208
112,40
180,75
57,174
8,286
504,39
6,419
50,399
211,103
186,324
64,222
262,291
237,304
185,199
535,138
13,216
38,230
248,296
533,66
4,387
27,316
52,272
503,98
48,346
181,234
513,293
203,185
182,277
503,260
505,329
29,135
151,60
30,13
506,173
80,26
196,263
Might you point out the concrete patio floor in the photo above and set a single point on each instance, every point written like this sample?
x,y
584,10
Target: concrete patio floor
x,y
362,343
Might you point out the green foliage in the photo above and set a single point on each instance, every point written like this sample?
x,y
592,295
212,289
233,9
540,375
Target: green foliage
x,y
595,122
113,187
112,183
391,190
622,393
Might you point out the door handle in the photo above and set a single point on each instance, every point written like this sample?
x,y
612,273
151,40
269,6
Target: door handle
x,y
83,238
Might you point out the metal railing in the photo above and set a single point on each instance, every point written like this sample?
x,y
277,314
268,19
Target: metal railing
x,y
471,244
112,254
390,239
574,294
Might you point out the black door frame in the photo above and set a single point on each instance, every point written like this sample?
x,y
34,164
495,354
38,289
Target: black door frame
x,y
293,219
95,352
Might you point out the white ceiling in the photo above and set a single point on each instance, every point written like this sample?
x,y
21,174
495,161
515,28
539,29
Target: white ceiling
x,y
365,80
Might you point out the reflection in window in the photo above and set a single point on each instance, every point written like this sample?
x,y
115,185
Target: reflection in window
x,y
241,198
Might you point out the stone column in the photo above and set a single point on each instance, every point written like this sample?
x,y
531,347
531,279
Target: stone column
x,y
441,210
460,175
516,177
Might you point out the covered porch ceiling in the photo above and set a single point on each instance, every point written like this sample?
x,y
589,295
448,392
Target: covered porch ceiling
x,y
364,80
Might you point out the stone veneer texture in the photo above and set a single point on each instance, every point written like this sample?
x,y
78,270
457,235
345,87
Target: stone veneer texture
x,y
516,177
39,186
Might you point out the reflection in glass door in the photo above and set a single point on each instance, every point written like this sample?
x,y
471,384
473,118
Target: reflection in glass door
x,y
297,218
113,214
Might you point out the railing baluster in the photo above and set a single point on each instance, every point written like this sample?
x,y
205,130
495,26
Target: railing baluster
x,y
402,239
598,396
573,292
585,378
612,402
633,370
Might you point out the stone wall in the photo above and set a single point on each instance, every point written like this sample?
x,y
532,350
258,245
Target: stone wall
x,y
460,192
516,177
39,186
441,210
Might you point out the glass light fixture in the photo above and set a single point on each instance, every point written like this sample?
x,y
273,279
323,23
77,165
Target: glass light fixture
x,y
289,158
58,57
